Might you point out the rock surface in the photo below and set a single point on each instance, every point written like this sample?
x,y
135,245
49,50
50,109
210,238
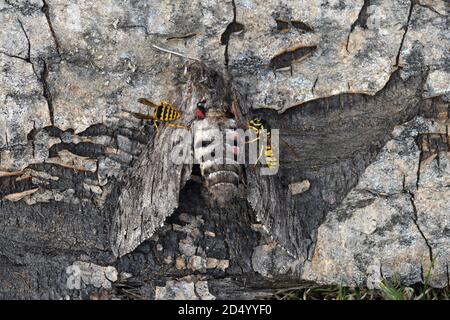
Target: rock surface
x,y
340,75
388,224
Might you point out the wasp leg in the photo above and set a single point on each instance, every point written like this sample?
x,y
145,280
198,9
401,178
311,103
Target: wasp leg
x,y
175,125
260,155
251,141
155,125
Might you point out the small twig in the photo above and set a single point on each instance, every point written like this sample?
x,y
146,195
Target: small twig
x,y
175,53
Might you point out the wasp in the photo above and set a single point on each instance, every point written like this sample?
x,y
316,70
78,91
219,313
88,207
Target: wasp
x,y
260,125
164,112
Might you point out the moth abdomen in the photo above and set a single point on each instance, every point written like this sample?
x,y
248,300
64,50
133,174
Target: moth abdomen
x,y
221,180
222,177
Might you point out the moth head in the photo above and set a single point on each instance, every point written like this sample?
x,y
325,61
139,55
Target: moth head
x,y
200,111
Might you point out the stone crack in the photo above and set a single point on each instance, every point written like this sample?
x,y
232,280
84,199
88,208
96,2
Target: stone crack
x,y
411,7
46,10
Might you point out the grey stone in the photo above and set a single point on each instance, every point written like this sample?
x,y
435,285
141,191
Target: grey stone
x,y
70,73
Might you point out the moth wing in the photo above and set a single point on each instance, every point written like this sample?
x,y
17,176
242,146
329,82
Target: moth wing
x,y
274,210
151,191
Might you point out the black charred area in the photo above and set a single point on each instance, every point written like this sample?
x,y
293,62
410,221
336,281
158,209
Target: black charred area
x,y
84,149
11,184
286,59
52,131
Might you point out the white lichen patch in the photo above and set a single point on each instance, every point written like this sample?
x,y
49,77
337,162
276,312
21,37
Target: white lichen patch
x,y
81,274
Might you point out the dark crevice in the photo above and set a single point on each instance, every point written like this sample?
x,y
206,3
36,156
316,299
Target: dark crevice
x,y
314,85
381,271
418,168
415,220
361,21
44,74
406,26
233,27
28,40
448,275
301,26
47,93
14,56
431,144
28,57
186,36
422,277
46,10
282,25
286,58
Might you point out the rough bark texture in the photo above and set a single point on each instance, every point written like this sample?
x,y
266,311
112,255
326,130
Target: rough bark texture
x,y
360,89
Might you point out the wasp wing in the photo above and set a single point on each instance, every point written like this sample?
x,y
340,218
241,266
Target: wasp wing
x,y
140,115
150,193
147,103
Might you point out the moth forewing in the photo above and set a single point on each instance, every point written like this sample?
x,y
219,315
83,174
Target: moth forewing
x,y
151,190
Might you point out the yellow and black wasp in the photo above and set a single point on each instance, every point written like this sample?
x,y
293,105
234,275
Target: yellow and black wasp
x,y
164,112
259,125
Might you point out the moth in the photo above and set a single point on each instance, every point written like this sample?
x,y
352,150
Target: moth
x,y
150,193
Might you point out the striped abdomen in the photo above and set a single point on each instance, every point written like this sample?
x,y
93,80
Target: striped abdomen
x,y
270,159
165,112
